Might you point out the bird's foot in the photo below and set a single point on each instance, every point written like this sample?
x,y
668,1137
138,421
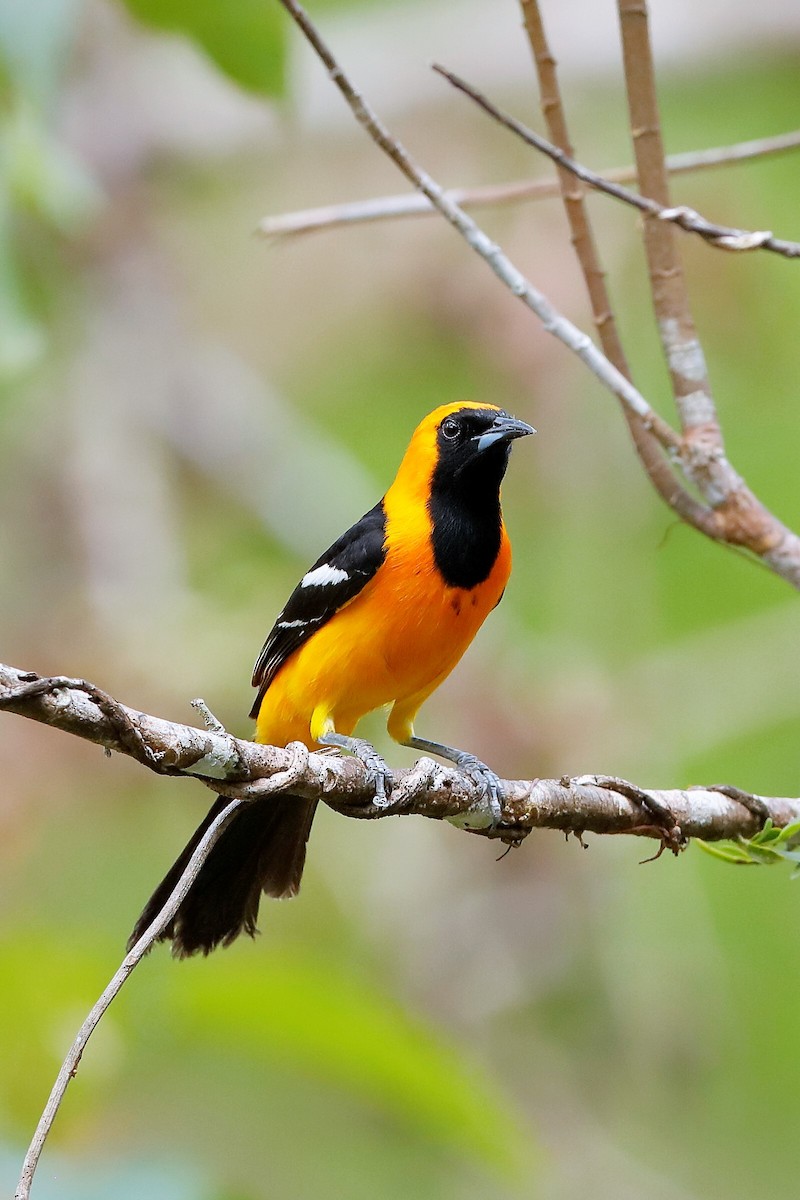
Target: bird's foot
x,y
378,771
487,812
379,774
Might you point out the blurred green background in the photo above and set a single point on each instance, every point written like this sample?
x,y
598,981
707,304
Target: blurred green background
x,y
187,417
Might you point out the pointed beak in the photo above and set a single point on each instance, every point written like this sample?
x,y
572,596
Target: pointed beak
x,y
502,429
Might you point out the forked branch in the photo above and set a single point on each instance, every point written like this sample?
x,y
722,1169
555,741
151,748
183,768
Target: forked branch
x,y
739,518
724,237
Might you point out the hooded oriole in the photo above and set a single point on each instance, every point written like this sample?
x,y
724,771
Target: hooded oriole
x,y
380,619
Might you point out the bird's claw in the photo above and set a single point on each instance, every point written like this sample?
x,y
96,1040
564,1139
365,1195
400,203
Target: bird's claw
x,y
379,774
489,808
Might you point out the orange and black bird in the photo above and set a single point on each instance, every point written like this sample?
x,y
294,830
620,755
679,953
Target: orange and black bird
x,y
380,619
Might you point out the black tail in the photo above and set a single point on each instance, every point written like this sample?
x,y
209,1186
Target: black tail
x,y
262,850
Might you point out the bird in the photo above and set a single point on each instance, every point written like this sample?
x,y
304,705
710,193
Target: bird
x,y
380,619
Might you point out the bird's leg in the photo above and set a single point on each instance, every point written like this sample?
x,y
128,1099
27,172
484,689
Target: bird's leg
x,y
473,768
377,769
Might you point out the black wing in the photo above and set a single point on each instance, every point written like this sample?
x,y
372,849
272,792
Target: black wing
x,y
335,578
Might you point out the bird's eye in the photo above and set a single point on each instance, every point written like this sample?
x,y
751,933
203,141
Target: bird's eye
x,y
450,429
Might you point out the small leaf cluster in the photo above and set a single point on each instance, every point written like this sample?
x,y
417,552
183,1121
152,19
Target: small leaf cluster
x,y
770,845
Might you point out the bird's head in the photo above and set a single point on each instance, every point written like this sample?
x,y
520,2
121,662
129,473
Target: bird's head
x,y
462,446
474,437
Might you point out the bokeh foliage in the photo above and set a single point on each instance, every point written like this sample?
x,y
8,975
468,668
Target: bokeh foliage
x,y
246,40
186,418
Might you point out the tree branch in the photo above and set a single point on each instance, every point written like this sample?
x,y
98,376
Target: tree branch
x,y
553,321
682,349
658,468
244,770
724,237
739,517
734,514
392,208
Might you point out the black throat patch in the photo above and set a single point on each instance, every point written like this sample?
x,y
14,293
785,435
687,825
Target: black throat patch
x,y
464,507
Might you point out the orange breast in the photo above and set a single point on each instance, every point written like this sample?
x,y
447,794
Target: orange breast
x,y
396,641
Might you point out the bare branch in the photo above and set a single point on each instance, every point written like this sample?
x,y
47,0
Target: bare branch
x,y
651,455
392,208
740,518
682,350
553,321
725,237
245,770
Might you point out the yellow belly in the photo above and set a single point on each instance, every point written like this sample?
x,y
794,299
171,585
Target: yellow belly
x,y
393,644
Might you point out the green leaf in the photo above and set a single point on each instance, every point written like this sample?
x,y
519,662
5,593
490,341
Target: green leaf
x,y
790,834
764,854
245,38
772,844
767,833
730,852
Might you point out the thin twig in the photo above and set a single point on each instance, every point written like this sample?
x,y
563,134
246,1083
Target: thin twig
x,y
725,237
70,1065
392,208
651,455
